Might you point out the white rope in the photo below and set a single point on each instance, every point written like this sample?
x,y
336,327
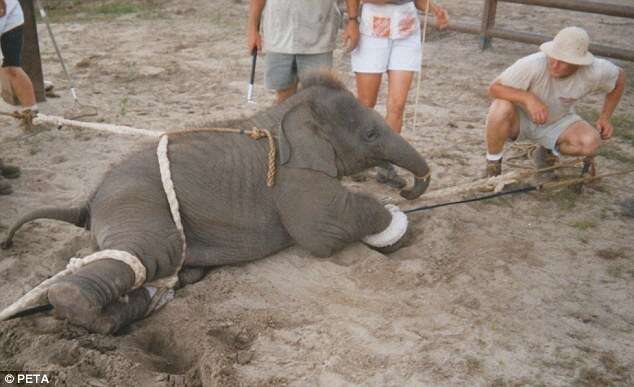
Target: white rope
x,y
39,294
132,261
161,290
418,76
172,199
44,119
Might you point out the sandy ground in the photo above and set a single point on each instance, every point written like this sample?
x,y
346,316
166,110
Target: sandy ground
x,y
528,290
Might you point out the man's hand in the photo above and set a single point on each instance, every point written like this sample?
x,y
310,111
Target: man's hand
x,y
254,40
442,17
537,110
605,127
351,35
3,8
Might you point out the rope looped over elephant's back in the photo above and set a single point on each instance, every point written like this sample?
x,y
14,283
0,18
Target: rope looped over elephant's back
x,y
254,134
168,183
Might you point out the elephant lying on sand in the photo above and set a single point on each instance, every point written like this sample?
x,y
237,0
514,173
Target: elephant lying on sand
x,y
228,212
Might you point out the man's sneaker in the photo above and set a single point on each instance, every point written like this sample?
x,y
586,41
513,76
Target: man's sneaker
x,y
494,168
5,187
9,171
544,158
387,175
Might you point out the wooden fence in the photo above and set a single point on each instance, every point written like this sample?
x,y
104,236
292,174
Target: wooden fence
x,y
487,29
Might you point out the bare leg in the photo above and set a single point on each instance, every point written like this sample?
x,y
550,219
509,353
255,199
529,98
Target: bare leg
x,y
21,84
502,124
285,93
399,82
368,88
579,139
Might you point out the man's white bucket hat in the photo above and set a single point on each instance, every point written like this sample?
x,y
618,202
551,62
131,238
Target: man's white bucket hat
x,y
571,46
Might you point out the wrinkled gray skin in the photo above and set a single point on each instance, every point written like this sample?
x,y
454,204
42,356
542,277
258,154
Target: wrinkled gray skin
x,y
229,214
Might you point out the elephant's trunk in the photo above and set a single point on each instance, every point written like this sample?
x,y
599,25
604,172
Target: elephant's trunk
x,y
400,152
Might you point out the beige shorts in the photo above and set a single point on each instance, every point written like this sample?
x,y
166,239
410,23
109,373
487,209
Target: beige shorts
x,y
545,135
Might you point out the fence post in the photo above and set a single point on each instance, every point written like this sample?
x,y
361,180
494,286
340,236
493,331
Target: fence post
x,y
31,62
488,22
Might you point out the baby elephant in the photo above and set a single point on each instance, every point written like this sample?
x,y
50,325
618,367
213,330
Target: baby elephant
x,y
229,214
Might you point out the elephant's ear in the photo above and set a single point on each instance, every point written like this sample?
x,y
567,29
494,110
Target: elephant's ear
x,y
301,142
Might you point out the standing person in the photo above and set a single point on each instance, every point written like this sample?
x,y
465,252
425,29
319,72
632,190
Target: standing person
x,y
390,42
297,36
534,100
11,25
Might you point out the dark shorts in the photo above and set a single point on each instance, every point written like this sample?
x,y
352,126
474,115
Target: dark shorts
x,y
11,42
283,70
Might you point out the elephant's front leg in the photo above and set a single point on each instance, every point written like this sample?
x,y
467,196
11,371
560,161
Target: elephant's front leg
x,y
322,216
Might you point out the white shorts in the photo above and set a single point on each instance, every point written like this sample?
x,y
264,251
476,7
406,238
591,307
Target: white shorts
x,y
377,55
13,16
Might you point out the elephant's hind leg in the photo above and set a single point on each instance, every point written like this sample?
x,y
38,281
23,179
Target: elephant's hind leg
x,y
191,274
123,313
81,297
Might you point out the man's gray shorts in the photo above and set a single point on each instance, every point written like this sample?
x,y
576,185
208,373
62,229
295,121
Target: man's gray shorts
x,y
545,135
283,70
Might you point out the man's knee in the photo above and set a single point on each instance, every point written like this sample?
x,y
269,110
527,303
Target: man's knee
x,y
502,110
589,143
583,143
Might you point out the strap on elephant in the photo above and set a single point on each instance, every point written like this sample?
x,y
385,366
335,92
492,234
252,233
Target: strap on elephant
x,y
254,134
168,183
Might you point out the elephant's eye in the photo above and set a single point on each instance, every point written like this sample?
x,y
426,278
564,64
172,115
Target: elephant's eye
x,y
371,135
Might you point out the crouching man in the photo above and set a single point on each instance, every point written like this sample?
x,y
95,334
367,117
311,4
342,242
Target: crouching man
x,y
534,100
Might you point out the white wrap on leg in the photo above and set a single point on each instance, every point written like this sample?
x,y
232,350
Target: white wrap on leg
x,y
133,262
393,233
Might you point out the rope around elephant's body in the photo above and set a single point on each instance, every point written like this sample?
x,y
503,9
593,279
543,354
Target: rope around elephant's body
x,y
254,134
170,192
172,199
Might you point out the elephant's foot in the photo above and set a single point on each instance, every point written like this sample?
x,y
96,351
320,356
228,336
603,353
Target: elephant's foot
x,y
394,236
191,274
123,313
81,297
404,241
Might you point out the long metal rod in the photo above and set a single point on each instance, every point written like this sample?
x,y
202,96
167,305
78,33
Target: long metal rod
x,y
71,81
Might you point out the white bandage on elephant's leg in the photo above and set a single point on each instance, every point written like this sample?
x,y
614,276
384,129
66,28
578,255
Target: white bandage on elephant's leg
x,y
393,233
132,261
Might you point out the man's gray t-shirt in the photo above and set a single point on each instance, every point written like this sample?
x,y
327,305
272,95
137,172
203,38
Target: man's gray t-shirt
x,y
300,26
559,94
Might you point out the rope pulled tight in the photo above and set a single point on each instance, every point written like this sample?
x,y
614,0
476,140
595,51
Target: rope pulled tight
x,y
26,117
132,261
38,295
254,134
170,192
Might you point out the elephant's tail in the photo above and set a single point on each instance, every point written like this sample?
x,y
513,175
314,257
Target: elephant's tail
x,y
79,216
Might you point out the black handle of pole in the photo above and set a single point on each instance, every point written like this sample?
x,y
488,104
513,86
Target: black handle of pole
x,y
254,54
